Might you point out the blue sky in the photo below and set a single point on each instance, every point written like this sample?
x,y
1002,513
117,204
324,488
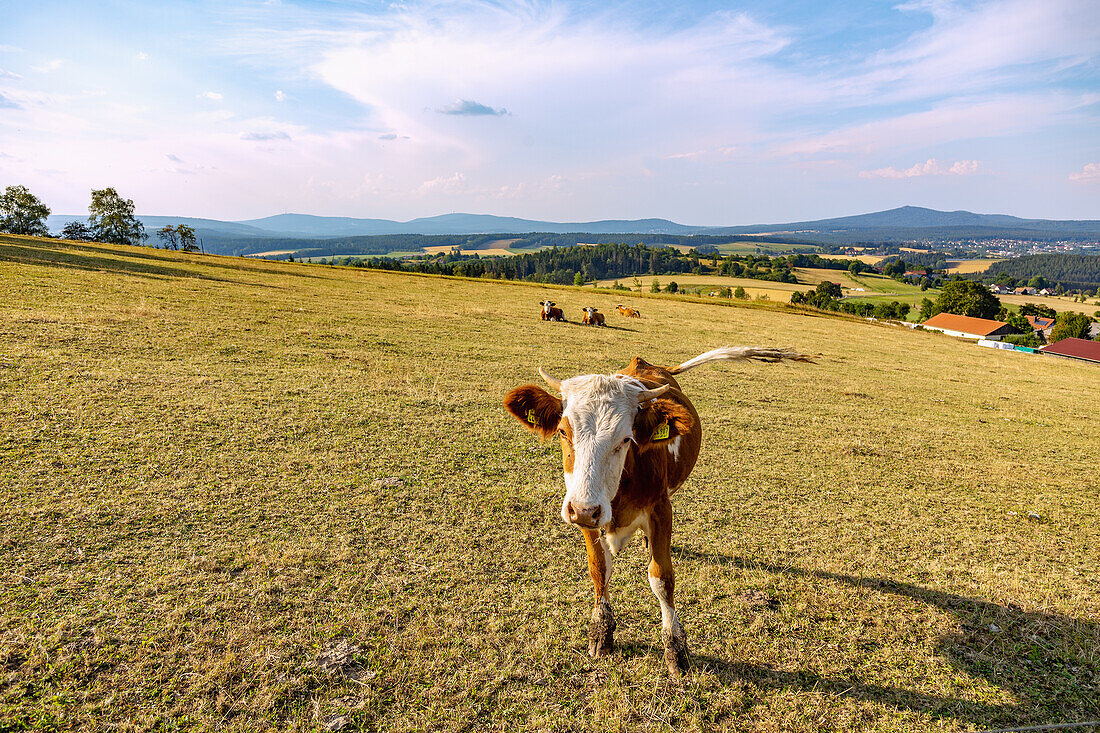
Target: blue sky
x,y
704,112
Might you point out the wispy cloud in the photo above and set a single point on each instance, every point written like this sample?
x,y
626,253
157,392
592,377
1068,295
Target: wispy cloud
x,y
1089,174
265,136
142,56
213,96
6,103
280,96
9,75
174,158
471,108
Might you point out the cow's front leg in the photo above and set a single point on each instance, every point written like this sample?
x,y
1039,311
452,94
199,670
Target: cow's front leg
x,y
601,629
661,580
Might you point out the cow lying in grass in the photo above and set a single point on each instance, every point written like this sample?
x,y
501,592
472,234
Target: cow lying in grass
x,y
628,440
592,317
551,312
628,312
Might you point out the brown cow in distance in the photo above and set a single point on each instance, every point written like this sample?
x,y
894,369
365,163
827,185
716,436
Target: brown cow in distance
x,y
628,312
592,317
551,312
629,440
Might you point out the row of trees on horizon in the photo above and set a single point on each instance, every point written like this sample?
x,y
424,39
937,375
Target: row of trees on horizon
x,y
111,219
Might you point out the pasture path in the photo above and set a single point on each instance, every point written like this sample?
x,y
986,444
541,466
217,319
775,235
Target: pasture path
x,y
216,470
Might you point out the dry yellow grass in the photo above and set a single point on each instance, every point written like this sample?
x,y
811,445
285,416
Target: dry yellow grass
x,y
215,468
969,266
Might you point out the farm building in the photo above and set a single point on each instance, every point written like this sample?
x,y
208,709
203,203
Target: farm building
x,y
968,326
1074,349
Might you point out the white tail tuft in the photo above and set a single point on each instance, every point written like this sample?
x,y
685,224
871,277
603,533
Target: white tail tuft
x,y
741,353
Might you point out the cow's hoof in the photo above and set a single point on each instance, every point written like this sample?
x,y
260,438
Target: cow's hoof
x,y
601,631
676,652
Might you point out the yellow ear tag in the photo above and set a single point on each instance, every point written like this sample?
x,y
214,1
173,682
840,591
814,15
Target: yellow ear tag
x,y
533,418
661,433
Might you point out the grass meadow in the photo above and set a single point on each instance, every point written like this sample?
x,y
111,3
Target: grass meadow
x,y
216,469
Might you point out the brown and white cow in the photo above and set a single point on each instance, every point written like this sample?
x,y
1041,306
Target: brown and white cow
x,y
592,317
629,441
551,312
628,312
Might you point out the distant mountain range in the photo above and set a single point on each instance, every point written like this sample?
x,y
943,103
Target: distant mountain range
x,y
906,222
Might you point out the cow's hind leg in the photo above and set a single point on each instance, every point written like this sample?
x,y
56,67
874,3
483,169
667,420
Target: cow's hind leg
x,y
601,629
661,580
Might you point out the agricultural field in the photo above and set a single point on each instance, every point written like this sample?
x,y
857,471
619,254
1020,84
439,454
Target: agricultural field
x,y
1059,304
965,267
242,494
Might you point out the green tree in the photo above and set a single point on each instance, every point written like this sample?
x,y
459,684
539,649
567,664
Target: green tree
x,y
112,218
856,267
672,287
1037,309
927,309
1019,322
1070,326
829,289
967,298
22,213
187,238
655,287
77,231
578,279
169,236
740,293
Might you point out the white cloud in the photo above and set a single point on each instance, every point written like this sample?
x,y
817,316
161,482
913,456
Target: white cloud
x,y
280,96
1089,174
215,96
930,167
142,56
49,66
9,75
447,185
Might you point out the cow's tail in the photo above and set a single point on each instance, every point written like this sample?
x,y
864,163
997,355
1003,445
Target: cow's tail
x,y
742,353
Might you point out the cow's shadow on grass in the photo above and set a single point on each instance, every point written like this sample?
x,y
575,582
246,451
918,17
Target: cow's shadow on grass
x,y
596,328
1048,663
130,263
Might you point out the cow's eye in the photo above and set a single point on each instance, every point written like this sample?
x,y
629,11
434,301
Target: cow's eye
x,y
561,433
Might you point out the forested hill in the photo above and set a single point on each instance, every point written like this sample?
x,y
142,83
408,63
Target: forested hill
x,y
1072,271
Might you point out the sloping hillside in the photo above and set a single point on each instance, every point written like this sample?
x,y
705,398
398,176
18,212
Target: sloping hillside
x,y
215,468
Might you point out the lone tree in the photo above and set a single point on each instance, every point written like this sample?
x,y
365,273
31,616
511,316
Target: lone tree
x,y
112,218
77,231
170,237
187,238
967,298
22,213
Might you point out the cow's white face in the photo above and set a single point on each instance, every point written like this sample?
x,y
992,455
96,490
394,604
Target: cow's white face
x,y
596,430
546,305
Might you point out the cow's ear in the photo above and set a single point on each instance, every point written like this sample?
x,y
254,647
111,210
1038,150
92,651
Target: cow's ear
x,y
538,410
660,421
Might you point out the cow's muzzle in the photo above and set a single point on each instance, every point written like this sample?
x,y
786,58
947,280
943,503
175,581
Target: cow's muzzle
x,y
589,517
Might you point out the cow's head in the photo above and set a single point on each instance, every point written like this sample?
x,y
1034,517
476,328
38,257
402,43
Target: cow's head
x,y
546,306
603,421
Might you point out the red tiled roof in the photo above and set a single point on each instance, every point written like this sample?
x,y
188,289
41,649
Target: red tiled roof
x,y
964,324
1039,323
1077,348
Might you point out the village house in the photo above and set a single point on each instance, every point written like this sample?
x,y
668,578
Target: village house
x,y
968,327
